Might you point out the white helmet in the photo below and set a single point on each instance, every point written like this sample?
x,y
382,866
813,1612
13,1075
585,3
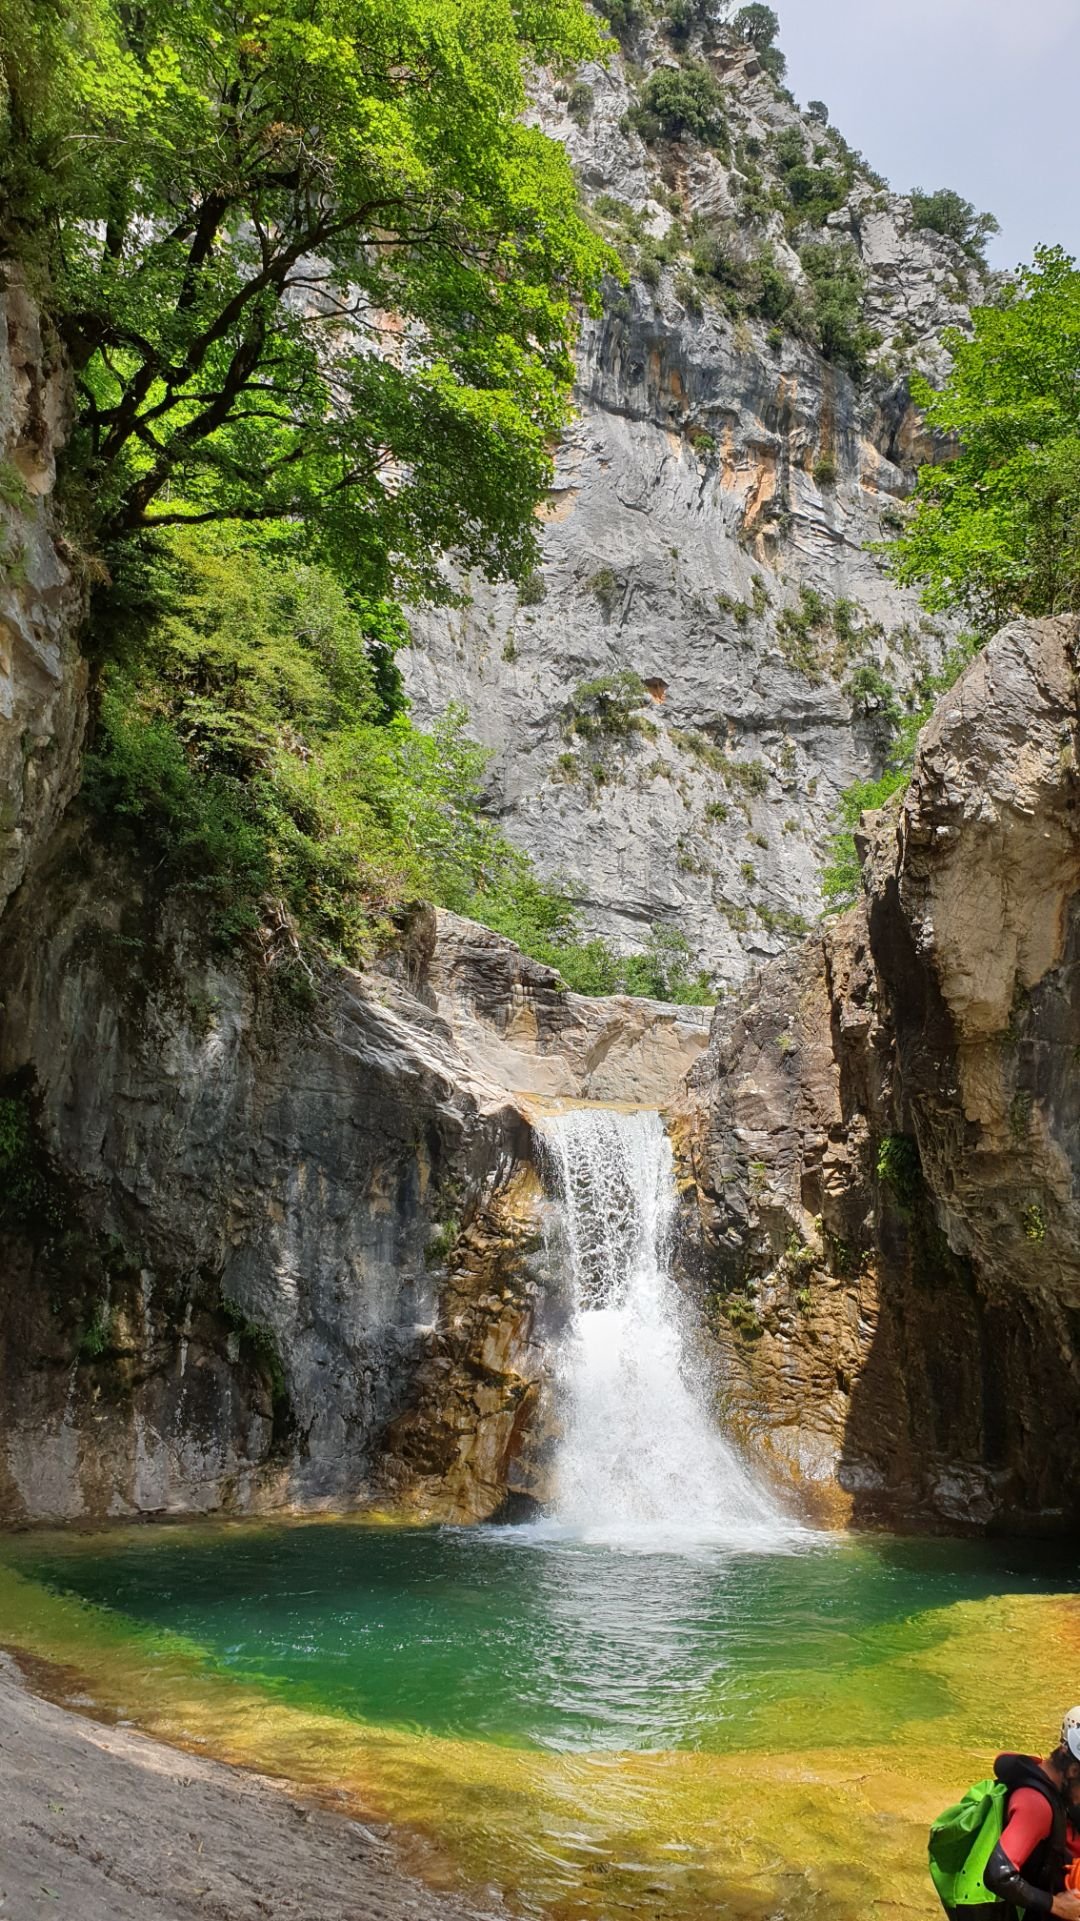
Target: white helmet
x,y
1070,1733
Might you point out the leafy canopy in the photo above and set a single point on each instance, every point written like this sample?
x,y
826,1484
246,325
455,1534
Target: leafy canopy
x,y
996,530
311,265
947,212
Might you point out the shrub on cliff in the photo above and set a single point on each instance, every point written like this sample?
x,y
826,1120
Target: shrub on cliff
x,y
677,101
948,213
838,287
758,25
996,529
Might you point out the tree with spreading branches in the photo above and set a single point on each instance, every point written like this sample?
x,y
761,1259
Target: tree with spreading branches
x,y
311,264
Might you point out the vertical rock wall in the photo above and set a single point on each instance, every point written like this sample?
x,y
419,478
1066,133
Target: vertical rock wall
x,y
42,678
884,1139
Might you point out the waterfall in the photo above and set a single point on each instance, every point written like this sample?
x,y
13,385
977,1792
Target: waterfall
x,y
641,1460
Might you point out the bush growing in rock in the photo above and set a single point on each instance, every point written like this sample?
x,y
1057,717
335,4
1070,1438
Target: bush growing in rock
x,y
609,706
948,213
665,971
580,103
757,25
680,101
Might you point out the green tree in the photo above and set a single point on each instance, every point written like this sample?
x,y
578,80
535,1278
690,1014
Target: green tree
x,y
758,25
947,212
310,262
677,101
838,287
996,529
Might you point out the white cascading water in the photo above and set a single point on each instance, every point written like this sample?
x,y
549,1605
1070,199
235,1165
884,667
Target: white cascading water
x,y
641,1461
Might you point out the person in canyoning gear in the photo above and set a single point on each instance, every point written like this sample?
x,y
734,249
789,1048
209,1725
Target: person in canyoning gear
x,y
1036,1863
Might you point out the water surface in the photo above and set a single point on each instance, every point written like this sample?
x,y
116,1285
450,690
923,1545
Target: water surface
x,y
595,1731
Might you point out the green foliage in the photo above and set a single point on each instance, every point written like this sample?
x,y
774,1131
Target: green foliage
x,y
580,103
442,1242
996,530
899,1166
773,62
24,1184
607,587
608,707
682,17
814,191
798,632
817,110
246,740
825,470
680,101
96,1336
219,204
624,16
838,287
758,25
665,971
948,213
1033,1221
749,283
841,880
872,697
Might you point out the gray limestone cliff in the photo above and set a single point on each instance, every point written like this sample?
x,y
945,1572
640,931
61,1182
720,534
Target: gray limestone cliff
x,y
42,677
708,527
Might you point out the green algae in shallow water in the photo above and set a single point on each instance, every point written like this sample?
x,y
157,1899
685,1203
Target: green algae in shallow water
x,y
601,1733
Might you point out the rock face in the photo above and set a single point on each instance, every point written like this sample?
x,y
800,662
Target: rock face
x,y
516,1024
707,532
885,1146
42,678
258,1254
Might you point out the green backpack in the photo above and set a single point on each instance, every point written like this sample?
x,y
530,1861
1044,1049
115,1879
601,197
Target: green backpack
x,y
961,1843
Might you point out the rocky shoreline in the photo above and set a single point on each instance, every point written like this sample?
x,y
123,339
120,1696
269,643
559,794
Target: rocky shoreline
x,y
100,1823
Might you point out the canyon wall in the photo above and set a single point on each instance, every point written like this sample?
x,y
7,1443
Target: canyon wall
x,y
708,529
881,1146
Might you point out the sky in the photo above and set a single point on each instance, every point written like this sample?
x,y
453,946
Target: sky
x,y
980,95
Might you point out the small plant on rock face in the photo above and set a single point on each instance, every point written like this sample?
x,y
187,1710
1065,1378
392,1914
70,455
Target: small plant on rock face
x,y
677,102
948,213
900,1168
443,1242
606,586
580,103
665,971
609,706
1034,1222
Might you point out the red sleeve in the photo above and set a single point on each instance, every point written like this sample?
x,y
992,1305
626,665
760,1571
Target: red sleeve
x,y
1030,1821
